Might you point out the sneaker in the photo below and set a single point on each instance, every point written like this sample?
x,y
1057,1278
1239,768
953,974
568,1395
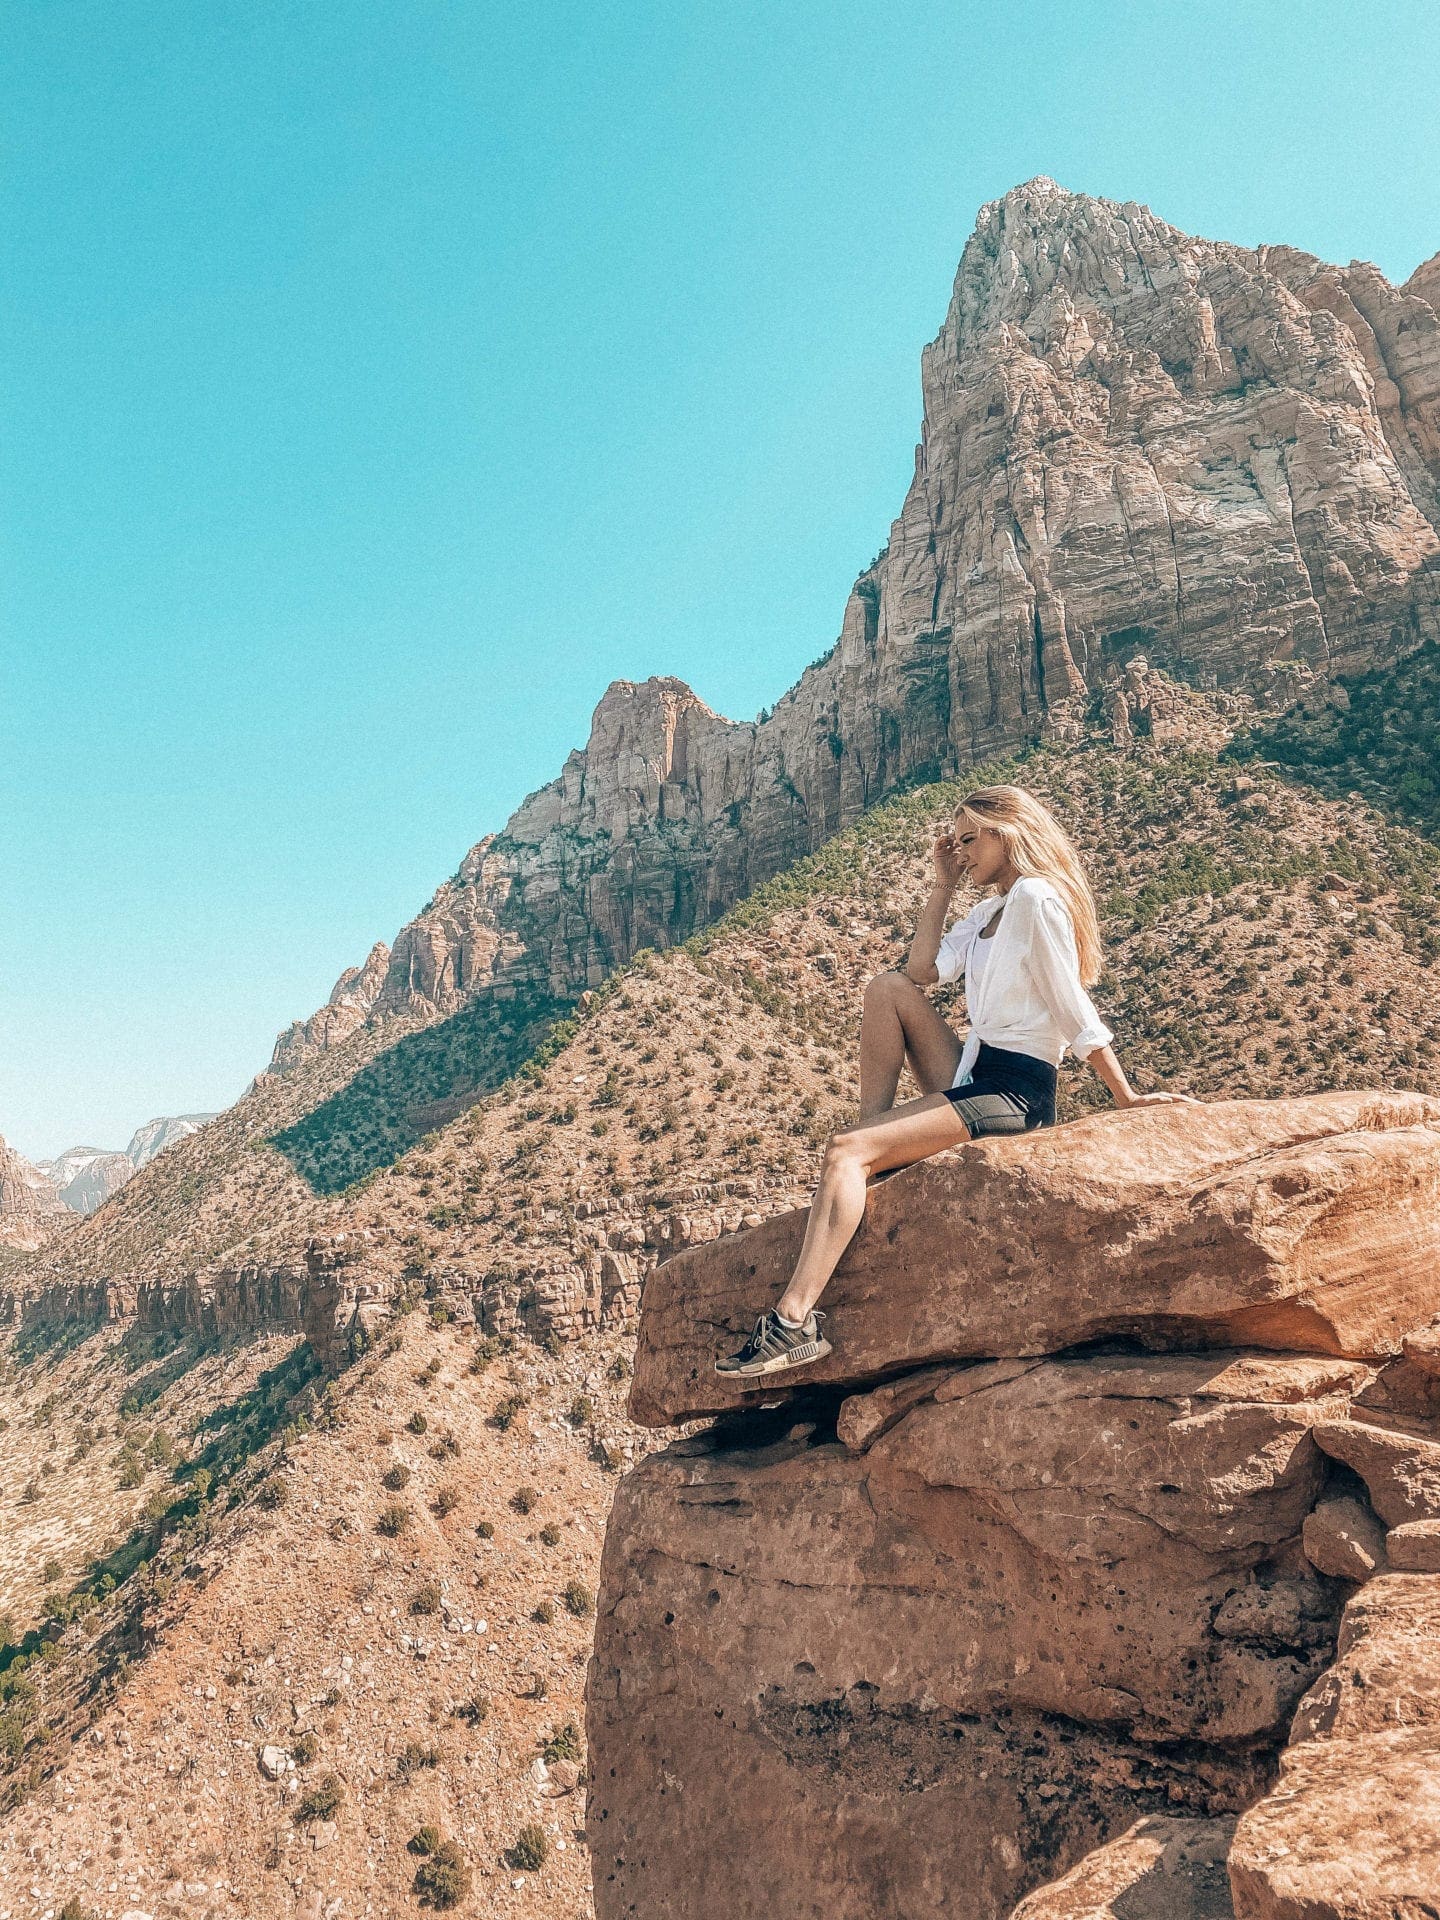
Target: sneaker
x,y
772,1347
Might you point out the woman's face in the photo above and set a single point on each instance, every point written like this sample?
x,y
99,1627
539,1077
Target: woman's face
x,y
983,859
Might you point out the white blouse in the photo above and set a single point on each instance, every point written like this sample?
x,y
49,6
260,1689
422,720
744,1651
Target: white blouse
x,y
1025,995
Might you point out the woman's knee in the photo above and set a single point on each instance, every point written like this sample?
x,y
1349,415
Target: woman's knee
x,y
844,1152
887,988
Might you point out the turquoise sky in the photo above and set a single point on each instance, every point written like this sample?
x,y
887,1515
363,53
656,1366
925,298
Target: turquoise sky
x,y
384,380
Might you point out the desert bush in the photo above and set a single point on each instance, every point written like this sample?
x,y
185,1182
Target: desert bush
x,y
506,1410
427,1599
396,1477
322,1801
417,1423
485,1529
445,1502
550,1534
274,1492
474,1710
529,1851
393,1519
415,1758
305,1749
579,1600
544,1614
563,1744
525,1499
423,1840
443,1880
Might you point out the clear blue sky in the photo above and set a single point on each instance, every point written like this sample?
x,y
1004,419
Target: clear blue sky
x,y
382,380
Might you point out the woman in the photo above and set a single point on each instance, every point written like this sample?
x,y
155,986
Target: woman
x,y
1028,951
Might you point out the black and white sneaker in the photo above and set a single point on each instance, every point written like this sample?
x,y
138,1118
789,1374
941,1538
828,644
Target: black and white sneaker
x,y
773,1347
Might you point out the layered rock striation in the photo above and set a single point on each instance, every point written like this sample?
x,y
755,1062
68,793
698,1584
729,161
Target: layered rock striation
x,y
1137,447
31,1210
1032,1590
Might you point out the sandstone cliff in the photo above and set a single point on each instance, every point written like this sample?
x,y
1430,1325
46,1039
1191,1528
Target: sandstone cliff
x,y
932,1626
1134,442
31,1210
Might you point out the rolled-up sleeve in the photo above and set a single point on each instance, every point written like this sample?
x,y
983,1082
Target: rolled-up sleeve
x,y
954,950
1056,970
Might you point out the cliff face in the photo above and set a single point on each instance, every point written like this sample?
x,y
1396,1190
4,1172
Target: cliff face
x,y
918,1632
1133,442
31,1210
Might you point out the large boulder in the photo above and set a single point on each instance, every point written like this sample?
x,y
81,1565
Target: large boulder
x,y
1352,1829
962,1650
1309,1225
1162,1869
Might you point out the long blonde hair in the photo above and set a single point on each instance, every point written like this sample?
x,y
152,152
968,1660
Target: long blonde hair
x,y
1039,847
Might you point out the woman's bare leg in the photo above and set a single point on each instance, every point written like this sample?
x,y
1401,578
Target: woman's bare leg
x,y
899,1022
909,1132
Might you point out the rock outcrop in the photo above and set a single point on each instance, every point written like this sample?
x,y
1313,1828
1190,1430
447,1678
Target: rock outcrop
x,y
1029,1593
1145,460
31,1210
1310,1225
156,1135
85,1177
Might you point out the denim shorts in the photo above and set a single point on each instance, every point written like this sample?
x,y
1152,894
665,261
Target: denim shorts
x,y
1006,1093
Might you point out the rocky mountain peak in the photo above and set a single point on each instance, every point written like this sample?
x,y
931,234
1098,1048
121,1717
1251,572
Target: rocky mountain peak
x,y
1136,443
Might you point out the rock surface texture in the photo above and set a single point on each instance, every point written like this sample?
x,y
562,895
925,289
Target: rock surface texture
x,y
1138,449
1302,1225
1073,1545
31,1210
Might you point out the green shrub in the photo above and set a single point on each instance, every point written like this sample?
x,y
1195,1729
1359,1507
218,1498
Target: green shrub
x,y
396,1478
393,1519
550,1534
525,1499
322,1801
474,1710
445,1502
305,1749
427,1599
530,1849
485,1529
563,1744
579,1599
506,1409
424,1840
274,1492
544,1614
443,1880
417,1423
582,1410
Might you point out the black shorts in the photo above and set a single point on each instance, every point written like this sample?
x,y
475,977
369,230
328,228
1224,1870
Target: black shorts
x,y
1006,1093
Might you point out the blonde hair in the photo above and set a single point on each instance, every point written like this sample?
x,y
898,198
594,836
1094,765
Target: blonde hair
x,y
1039,847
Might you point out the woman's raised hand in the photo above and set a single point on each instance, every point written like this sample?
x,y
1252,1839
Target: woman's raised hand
x,y
946,855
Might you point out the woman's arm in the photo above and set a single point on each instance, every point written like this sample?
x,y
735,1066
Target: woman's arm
x,y
921,967
1053,963
1103,1060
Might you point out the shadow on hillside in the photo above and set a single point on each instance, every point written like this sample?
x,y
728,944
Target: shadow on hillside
x,y
1383,743
419,1084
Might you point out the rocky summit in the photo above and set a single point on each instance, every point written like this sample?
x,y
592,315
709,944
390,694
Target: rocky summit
x,y
1135,444
1094,1575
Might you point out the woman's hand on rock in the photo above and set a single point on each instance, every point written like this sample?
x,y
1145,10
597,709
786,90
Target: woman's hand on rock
x,y
1162,1100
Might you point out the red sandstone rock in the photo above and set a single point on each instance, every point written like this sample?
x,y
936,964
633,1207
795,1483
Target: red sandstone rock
x,y
1414,1547
1352,1829
1344,1539
1401,1470
1351,1833
1019,1603
1309,1224
1162,1869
